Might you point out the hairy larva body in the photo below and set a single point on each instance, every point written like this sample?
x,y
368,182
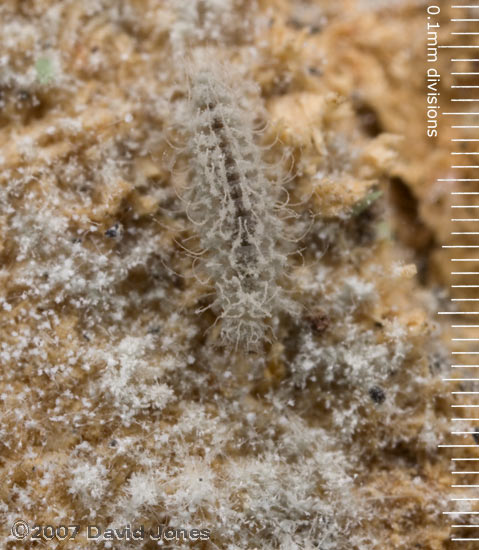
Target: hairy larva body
x,y
233,204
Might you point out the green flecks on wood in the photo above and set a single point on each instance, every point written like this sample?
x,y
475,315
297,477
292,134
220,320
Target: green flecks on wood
x,y
366,202
384,231
44,68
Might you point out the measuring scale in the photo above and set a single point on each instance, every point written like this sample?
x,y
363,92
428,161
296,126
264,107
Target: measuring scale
x,y
460,118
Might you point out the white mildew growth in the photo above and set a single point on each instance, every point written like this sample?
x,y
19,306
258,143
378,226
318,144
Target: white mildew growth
x,y
211,21
201,19
233,204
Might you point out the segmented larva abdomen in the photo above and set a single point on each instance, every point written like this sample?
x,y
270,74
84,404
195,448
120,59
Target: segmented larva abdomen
x,y
233,204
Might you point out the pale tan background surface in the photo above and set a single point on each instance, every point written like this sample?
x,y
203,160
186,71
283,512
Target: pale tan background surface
x,y
116,405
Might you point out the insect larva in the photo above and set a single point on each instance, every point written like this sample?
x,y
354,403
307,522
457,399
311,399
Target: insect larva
x,y
233,203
